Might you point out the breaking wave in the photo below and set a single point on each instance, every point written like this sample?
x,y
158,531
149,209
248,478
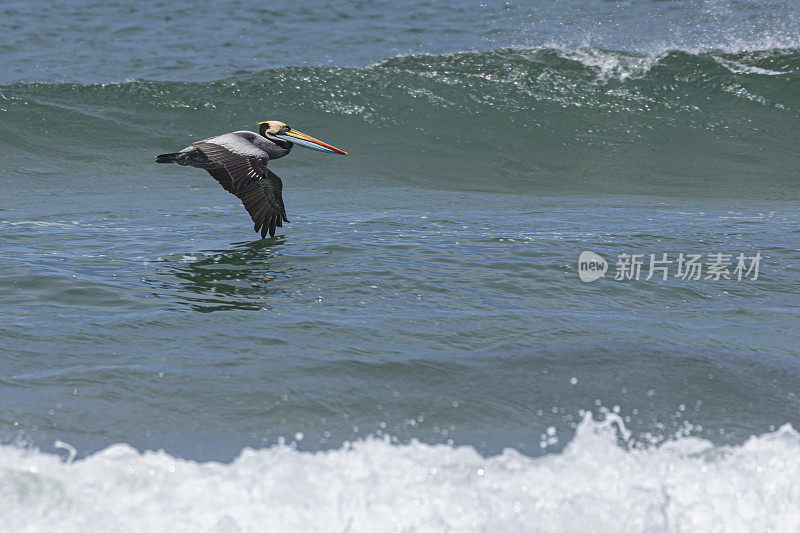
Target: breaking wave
x,y
600,481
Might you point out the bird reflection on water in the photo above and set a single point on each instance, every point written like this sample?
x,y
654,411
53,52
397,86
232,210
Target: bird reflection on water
x,y
242,278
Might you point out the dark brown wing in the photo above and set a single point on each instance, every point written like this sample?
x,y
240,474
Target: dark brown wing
x,y
278,185
245,163
262,199
224,179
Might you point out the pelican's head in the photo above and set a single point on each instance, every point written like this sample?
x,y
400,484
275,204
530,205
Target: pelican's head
x,y
274,129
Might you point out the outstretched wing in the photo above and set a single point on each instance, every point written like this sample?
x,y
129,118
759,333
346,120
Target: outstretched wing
x,y
245,162
262,199
245,174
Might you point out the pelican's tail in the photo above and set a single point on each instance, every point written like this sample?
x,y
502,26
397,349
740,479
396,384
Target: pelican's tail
x,y
168,158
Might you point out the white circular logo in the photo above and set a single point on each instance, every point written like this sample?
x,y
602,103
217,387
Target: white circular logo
x,y
591,266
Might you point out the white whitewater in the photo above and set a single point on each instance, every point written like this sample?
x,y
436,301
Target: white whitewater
x,y
594,484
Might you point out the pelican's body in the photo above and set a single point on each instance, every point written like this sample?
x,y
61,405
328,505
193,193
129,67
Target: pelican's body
x,y
238,161
238,142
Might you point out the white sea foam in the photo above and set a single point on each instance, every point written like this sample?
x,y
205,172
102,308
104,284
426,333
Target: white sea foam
x,y
740,68
613,65
372,485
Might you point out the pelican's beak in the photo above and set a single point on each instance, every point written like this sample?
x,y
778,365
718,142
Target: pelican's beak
x,y
297,137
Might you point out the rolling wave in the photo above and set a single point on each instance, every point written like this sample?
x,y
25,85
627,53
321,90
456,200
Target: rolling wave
x,y
544,119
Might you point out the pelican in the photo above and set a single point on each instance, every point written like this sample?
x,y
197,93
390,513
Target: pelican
x,y
238,161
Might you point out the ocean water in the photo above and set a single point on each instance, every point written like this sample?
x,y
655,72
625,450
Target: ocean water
x,y
416,349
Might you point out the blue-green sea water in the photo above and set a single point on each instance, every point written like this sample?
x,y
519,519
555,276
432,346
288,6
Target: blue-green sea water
x,y
416,349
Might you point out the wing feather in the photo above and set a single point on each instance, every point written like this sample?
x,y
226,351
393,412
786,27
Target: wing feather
x,y
245,166
262,199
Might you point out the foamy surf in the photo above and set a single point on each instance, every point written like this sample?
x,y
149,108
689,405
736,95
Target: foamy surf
x,y
595,484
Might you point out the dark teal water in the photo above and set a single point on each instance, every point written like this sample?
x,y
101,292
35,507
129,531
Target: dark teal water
x,y
427,287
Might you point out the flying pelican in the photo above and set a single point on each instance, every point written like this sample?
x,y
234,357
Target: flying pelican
x,y
238,161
